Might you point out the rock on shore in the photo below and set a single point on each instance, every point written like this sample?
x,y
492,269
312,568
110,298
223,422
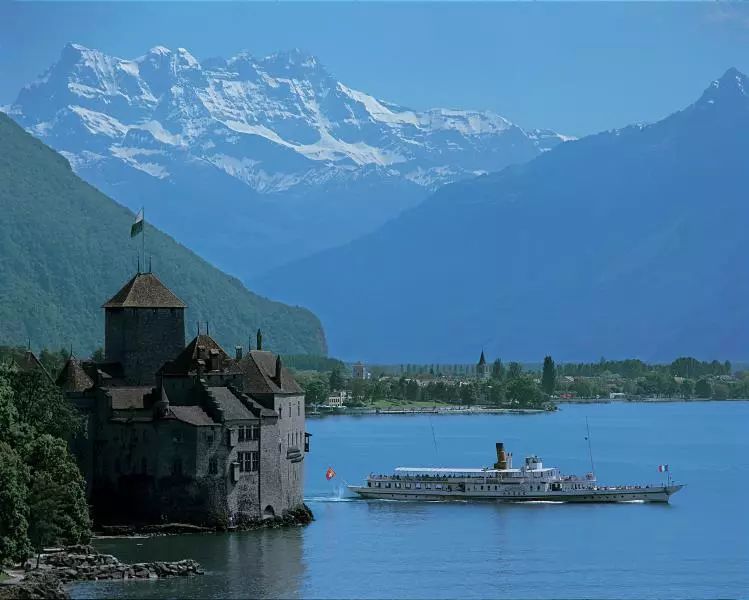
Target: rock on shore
x,y
82,563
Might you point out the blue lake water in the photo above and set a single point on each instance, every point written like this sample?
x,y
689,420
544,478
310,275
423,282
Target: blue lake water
x,y
695,547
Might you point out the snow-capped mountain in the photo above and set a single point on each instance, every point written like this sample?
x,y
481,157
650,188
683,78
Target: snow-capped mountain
x,y
274,137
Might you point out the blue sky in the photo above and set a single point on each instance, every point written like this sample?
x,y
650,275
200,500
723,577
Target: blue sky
x,y
573,67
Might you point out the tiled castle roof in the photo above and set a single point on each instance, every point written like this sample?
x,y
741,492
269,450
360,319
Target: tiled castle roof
x,y
187,360
144,290
73,378
29,363
264,374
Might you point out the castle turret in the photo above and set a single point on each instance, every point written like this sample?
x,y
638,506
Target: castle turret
x,y
144,328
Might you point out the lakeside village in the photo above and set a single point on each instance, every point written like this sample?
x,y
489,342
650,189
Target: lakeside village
x,y
333,386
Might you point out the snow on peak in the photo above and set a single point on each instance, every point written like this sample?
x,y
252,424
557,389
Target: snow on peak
x,y
273,120
187,59
732,86
160,51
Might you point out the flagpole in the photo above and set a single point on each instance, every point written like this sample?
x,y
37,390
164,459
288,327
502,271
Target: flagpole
x,y
143,234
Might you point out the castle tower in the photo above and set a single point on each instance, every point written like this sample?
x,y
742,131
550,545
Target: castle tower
x,y
144,327
482,369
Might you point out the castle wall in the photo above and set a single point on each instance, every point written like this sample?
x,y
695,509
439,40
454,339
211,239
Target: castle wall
x,y
284,488
143,339
270,471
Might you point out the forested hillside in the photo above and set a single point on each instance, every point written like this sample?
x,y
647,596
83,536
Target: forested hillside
x,y
65,249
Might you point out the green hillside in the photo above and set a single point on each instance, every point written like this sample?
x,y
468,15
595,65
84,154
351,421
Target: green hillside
x,y
65,249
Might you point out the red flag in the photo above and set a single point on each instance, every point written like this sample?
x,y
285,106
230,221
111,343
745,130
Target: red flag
x,y
329,474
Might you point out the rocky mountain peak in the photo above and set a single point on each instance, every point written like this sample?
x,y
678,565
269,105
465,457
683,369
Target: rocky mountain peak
x,y
731,88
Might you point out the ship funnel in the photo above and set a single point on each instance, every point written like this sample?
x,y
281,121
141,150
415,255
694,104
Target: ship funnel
x,y
501,457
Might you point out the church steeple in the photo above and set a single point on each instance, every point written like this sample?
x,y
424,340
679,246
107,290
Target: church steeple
x,y
482,369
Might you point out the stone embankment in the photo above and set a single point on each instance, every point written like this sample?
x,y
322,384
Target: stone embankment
x,y
83,563
291,518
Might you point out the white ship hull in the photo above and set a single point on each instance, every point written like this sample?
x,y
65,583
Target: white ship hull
x,y
598,495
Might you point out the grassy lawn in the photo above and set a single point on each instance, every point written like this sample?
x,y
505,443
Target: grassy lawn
x,y
4,576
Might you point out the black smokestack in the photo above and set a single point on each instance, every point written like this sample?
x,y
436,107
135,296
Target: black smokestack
x,y
501,456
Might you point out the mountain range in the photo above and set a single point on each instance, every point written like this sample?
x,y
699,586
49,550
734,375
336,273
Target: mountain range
x,y
631,242
254,162
65,249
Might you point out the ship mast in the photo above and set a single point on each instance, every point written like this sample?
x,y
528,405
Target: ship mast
x,y
590,449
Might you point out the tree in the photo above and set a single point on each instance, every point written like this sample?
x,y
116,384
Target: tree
x,y
412,391
14,541
498,370
41,404
35,421
45,517
703,389
315,391
53,466
686,389
514,370
524,392
468,394
335,381
549,376
496,395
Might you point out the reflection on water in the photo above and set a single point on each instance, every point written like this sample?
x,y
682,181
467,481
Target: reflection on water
x,y
252,564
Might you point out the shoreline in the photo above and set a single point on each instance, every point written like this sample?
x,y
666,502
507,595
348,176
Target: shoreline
x,y
483,410
476,410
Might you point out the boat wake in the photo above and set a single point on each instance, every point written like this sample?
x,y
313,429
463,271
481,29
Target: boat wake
x,y
331,499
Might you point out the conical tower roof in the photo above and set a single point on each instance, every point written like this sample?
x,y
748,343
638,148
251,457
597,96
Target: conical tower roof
x,y
482,360
144,290
73,378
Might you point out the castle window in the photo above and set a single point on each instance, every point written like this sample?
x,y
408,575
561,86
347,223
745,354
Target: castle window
x,y
289,408
248,461
213,466
254,432
298,409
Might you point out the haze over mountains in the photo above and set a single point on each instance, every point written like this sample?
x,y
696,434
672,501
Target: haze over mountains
x,y
632,242
253,162
65,250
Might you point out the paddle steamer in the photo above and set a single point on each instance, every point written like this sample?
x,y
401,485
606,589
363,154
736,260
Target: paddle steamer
x,y
532,482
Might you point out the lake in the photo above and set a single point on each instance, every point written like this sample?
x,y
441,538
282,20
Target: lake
x,y
695,547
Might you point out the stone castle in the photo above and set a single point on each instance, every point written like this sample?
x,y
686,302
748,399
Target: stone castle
x,y
184,433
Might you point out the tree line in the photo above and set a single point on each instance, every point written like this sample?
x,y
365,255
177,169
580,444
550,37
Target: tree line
x,y
42,493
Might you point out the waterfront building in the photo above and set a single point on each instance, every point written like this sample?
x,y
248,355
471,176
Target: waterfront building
x,y
339,398
187,433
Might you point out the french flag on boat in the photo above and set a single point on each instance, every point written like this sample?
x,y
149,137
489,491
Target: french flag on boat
x,y
662,468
